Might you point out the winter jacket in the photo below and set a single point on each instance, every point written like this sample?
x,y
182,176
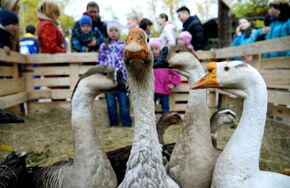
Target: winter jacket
x,y
29,44
195,28
164,77
99,31
278,29
50,37
80,40
5,39
113,55
242,40
168,35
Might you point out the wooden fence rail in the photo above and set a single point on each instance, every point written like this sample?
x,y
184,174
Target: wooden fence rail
x,y
58,73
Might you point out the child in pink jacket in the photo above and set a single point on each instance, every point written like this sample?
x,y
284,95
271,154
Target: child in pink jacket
x,y
165,80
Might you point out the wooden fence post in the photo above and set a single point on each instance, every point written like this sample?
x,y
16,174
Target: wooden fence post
x,y
212,100
74,74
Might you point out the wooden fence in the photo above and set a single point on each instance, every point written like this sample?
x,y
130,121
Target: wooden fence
x,y
58,74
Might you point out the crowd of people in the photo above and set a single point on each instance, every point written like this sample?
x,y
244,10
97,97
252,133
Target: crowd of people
x,y
91,34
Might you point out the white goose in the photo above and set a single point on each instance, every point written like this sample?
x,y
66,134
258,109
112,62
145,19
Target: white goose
x,y
145,166
238,165
193,158
91,167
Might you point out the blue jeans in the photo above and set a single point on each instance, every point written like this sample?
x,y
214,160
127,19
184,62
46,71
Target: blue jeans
x,y
164,101
123,100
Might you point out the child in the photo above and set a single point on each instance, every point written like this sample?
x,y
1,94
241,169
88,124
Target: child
x,y
8,29
165,80
86,40
184,39
111,53
29,44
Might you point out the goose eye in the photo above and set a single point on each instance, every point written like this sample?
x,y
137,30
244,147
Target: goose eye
x,y
227,68
148,40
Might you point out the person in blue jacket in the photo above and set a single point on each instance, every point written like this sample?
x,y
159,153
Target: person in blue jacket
x,y
29,44
245,34
278,24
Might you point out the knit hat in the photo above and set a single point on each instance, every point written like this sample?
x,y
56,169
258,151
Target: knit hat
x,y
7,17
186,37
114,24
277,2
155,42
85,19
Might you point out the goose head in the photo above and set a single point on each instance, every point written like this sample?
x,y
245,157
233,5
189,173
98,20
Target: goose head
x,y
137,54
233,76
183,60
222,117
167,119
100,79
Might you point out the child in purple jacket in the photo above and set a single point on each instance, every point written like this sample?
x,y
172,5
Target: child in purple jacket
x,y
165,80
111,53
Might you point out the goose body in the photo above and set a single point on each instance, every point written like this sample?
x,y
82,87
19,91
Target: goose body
x,y
194,157
145,165
91,167
238,165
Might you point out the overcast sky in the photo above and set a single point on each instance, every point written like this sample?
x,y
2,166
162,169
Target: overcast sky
x,y
112,9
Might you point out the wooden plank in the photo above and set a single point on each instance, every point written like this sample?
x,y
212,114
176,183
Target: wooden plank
x,y
14,57
279,114
181,88
51,94
274,45
12,100
15,71
276,77
61,81
85,68
179,107
59,70
254,60
180,96
212,102
204,55
11,86
63,58
279,97
278,87
29,81
6,71
276,63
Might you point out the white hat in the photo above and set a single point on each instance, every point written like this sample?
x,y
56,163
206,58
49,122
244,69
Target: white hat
x,y
114,24
278,2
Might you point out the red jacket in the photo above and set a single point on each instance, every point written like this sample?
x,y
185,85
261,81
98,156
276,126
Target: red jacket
x,y
50,37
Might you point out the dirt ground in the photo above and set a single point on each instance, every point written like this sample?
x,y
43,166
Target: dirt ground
x,y
47,133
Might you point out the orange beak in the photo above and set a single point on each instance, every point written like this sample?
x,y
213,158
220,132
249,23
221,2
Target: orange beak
x,y
209,80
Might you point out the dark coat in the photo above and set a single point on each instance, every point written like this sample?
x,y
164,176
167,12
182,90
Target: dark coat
x,y
5,39
194,27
